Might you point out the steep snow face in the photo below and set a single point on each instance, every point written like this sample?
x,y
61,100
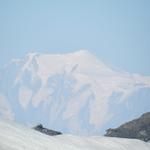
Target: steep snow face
x,y
69,92
16,137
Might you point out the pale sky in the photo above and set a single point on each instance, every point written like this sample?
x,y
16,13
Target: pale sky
x,y
116,31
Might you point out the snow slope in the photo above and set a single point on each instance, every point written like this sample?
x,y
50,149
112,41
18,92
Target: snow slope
x,y
73,92
17,137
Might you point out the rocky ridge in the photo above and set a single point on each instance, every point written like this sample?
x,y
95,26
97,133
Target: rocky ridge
x,y
135,129
46,131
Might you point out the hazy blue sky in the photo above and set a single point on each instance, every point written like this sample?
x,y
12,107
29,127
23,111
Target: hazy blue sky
x,y
117,31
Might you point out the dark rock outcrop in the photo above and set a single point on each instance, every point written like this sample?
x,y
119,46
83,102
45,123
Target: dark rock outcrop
x,y
41,129
135,129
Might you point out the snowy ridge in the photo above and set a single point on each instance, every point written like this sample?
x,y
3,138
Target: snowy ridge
x,y
17,137
69,92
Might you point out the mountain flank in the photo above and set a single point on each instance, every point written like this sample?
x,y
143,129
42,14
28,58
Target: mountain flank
x,y
135,129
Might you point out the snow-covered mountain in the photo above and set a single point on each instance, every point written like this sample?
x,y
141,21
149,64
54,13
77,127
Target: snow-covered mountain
x,y
72,93
17,137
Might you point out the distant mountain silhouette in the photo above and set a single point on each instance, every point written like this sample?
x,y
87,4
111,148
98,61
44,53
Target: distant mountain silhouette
x,y
41,129
135,129
71,90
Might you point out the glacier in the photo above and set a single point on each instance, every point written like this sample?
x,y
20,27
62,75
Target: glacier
x,y
14,136
74,92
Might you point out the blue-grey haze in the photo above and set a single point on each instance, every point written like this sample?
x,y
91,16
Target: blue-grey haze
x,y
117,31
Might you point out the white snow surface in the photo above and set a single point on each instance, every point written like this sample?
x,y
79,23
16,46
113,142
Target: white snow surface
x,y
16,137
72,92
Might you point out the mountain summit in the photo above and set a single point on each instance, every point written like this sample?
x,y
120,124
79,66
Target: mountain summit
x,y
74,93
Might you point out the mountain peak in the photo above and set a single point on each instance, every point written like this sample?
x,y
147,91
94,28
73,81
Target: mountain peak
x,y
74,90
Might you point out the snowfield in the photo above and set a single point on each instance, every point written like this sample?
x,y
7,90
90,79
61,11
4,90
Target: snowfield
x,y
17,137
73,92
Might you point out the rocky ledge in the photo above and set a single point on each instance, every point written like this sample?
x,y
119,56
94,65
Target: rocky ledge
x,y
135,129
41,129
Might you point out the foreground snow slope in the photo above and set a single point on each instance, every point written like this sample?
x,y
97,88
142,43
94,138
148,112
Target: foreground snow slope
x,y
16,137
